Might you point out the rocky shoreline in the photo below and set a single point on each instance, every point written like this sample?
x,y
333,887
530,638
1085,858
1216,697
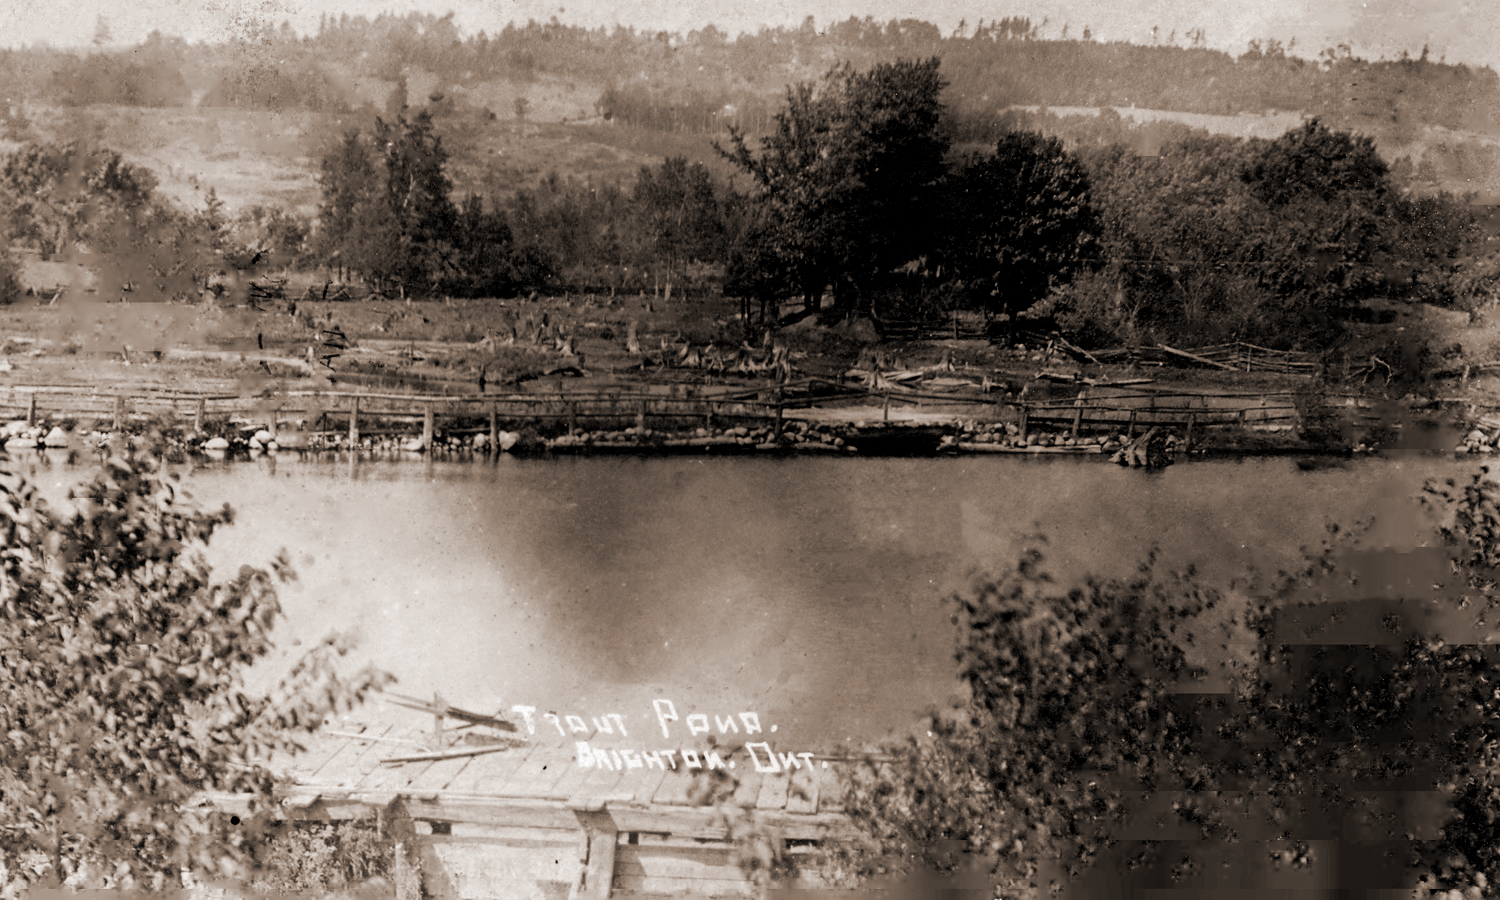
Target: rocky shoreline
x,y
795,437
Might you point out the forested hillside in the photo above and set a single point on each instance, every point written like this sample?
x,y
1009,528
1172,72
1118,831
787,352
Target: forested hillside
x,y
705,79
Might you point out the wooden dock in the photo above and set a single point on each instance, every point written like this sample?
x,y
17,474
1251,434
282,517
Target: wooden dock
x,y
514,820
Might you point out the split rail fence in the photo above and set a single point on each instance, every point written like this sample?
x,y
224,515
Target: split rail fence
x,y
1092,410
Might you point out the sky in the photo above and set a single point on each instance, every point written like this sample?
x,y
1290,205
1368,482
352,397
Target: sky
x,y
1466,31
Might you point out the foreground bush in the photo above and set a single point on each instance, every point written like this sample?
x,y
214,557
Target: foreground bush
x,y
121,682
1350,741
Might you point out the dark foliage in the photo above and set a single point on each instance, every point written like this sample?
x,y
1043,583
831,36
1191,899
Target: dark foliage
x,y
1091,756
1019,222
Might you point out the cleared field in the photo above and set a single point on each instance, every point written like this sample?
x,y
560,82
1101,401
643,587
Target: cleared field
x,y
252,157
1270,125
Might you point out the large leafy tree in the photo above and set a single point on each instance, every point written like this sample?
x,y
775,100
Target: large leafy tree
x,y
1334,188
62,194
121,680
1019,221
417,195
847,178
679,215
386,210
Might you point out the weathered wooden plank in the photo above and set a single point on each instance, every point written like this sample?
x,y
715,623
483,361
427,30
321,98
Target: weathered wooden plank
x,y
439,775
830,788
802,791
600,783
635,887
675,788
486,773
643,785
538,773
704,862
773,791
747,791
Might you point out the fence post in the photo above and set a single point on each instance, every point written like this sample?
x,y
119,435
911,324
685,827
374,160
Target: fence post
x,y
354,423
1188,441
1078,412
885,415
31,409
428,427
1130,430
1024,416
494,428
640,419
119,412
778,414
572,417
708,418
198,416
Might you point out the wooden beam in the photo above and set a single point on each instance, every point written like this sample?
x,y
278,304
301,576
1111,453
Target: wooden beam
x,y
1195,358
598,852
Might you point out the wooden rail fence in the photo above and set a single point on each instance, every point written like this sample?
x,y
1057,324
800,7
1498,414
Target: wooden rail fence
x,y
1102,409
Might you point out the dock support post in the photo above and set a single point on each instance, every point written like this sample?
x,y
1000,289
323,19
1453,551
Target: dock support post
x,y
596,852
1078,413
354,424
428,427
198,416
31,409
494,430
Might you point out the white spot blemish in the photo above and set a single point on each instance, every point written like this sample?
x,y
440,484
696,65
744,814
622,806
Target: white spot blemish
x,y
773,727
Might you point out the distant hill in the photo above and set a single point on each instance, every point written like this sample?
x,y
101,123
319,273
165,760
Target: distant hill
x,y
250,118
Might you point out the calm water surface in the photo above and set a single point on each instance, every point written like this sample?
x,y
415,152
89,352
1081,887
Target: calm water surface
x,y
811,591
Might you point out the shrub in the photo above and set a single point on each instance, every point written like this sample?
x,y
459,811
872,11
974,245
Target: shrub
x,y
10,278
316,857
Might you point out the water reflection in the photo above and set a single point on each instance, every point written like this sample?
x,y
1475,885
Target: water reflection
x,y
810,591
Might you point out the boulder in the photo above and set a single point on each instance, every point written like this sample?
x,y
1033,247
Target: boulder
x,y
217,443
56,438
264,436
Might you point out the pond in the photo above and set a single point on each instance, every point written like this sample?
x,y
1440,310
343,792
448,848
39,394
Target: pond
x,y
811,591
